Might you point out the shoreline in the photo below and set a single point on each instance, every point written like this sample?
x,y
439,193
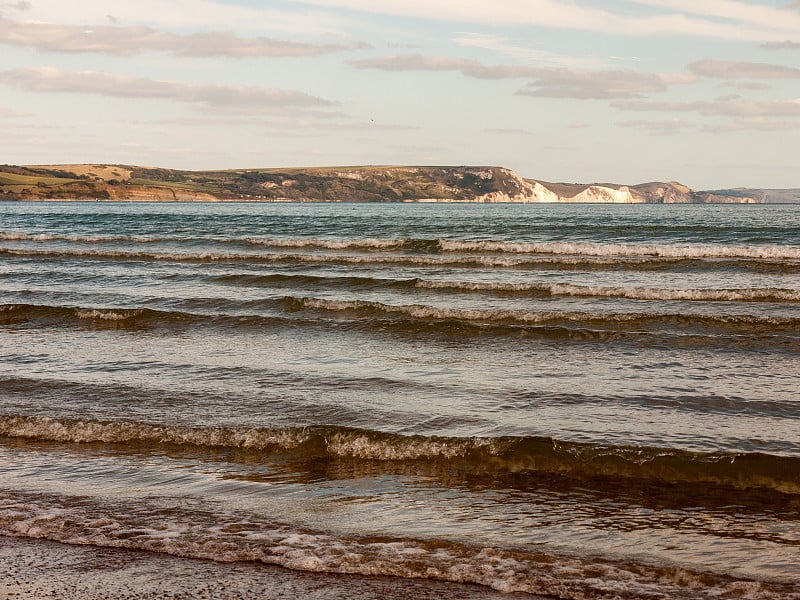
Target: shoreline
x,y
38,568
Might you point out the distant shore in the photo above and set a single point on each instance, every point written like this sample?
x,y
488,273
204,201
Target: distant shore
x,y
402,184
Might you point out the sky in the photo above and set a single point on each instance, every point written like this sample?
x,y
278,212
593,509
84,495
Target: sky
x,y
705,92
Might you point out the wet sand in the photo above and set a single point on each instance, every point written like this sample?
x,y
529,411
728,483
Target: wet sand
x,y
35,569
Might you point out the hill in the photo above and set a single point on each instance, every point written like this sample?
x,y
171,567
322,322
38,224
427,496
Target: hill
x,y
328,184
789,196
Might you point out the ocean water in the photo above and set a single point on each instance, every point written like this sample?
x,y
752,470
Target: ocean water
x,y
573,401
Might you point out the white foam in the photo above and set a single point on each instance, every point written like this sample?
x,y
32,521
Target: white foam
x,y
636,293
107,315
626,250
85,431
89,239
452,261
225,538
331,244
425,312
352,444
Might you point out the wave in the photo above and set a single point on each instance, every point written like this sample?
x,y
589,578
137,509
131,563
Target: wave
x,y
697,404
13,313
87,239
614,320
534,290
549,262
482,455
128,318
676,330
344,244
556,248
330,244
628,250
322,281
130,255
229,537
634,293
441,245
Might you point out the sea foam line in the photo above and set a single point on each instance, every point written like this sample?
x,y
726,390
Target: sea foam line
x,y
626,250
532,289
421,260
427,312
634,293
441,245
597,249
13,236
229,537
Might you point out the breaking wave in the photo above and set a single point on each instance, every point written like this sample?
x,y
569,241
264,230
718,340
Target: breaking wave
x,y
232,537
342,244
778,334
634,293
597,262
543,290
484,455
86,239
13,313
556,248
630,250
628,320
438,245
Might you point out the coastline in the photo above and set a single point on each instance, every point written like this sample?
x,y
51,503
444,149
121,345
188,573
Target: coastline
x,y
401,184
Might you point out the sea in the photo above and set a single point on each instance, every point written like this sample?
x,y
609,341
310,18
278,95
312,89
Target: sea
x,y
563,401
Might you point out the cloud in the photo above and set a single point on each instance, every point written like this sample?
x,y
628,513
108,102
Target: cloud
x,y
593,85
10,113
235,98
20,6
194,15
725,69
771,20
127,41
728,106
506,131
511,48
674,126
785,45
659,128
752,124
467,67
285,125
753,25
746,85
545,82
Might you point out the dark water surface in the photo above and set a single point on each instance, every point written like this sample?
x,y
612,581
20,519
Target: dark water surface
x,y
575,401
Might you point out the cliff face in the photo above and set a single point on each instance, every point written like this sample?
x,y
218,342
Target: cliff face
x,y
645,193
335,184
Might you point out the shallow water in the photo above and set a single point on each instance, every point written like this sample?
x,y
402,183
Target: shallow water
x,y
577,401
